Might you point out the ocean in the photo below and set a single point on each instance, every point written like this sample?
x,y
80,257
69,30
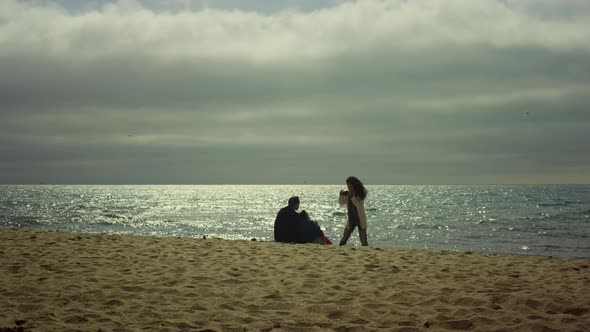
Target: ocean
x,y
546,220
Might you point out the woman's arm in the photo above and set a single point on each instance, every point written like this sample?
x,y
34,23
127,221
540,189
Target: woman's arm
x,y
360,206
343,198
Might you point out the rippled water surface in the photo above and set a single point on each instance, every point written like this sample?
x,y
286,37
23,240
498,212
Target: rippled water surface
x,y
537,220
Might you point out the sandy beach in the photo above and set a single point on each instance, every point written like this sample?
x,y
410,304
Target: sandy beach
x,y
54,281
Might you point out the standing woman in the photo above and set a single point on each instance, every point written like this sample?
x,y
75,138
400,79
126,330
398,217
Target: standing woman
x,y
354,199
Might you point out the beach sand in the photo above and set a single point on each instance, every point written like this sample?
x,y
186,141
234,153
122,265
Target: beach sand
x,y
55,281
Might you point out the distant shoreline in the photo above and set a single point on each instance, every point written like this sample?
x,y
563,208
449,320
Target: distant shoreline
x,y
290,184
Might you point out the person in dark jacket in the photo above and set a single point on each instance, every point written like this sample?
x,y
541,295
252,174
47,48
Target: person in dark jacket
x,y
309,230
287,222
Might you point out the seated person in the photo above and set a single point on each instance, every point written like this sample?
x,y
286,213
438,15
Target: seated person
x,y
287,222
309,231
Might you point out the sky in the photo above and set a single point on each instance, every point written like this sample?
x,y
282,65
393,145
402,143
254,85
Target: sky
x,y
292,92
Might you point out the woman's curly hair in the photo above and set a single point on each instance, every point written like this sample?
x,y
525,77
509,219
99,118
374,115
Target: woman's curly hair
x,y
359,189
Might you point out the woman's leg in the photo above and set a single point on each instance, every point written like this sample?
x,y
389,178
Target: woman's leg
x,y
363,236
347,231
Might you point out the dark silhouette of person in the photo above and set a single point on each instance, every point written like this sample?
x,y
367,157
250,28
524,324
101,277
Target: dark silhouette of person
x,y
309,230
287,222
354,199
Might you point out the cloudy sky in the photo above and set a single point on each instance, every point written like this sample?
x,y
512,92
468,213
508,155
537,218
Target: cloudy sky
x,y
286,92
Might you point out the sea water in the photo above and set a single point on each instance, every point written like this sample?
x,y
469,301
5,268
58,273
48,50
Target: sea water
x,y
548,220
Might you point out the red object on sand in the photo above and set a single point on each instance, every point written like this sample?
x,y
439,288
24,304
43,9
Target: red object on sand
x,y
326,240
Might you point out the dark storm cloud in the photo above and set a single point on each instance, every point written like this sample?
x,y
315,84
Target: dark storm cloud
x,y
404,92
